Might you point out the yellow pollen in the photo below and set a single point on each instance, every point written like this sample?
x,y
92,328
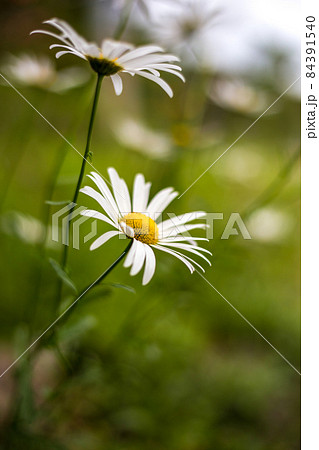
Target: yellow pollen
x,y
145,229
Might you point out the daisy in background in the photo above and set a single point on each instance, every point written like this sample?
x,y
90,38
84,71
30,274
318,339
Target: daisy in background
x,y
135,135
39,71
185,20
237,95
113,57
139,220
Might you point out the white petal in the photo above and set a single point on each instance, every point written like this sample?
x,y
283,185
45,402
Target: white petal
x,y
97,215
101,184
179,229
150,264
181,219
92,50
100,199
49,33
117,83
104,238
146,60
181,255
162,66
129,231
130,256
121,192
158,198
138,52
141,192
67,47
158,81
182,239
177,255
154,72
139,258
189,248
74,52
174,72
114,49
161,201
165,203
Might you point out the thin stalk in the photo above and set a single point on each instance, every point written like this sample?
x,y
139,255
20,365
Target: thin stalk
x,y
124,21
275,186
48,195
84,161
85,291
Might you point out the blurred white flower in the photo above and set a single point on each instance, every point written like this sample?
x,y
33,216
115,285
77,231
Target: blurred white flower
x,y
23,226
269,225
135,135
243,166
139,220
185,20
39,71
144,5
114,57
238,96
31,70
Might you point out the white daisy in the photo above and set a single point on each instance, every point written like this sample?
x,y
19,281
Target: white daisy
x,y
31,70
139,220
39,71
185,20
115,57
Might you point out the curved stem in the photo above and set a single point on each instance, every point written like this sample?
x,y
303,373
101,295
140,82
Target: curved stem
x,y
124,21
97,281
84,161
64,258
274,187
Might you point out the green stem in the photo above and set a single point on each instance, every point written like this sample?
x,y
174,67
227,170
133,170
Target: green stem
x,y
275,186
98,280
84,161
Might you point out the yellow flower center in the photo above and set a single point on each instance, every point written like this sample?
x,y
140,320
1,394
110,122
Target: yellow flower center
x,y
104,66
145,229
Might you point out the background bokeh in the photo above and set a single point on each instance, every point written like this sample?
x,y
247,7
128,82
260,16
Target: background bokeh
x,y
170,365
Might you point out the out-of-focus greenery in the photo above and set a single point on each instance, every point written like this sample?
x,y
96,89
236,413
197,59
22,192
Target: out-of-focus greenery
x,y
170,365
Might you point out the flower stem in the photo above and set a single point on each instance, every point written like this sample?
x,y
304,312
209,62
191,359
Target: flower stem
x,y
124,21
64,258
84,161
97,281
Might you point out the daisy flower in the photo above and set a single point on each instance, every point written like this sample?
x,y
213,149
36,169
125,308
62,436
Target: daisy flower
x,y
31,70
113,57
139,220
39,71
186,20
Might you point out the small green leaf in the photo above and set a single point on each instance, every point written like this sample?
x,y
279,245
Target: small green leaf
x,y
75,331
99,292
62,274
123,286
90,156
62,202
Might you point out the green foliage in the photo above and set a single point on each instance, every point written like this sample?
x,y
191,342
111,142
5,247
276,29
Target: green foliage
x,y
62,274
172,367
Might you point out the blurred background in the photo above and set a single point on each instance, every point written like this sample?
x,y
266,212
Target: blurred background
x,y
170,365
